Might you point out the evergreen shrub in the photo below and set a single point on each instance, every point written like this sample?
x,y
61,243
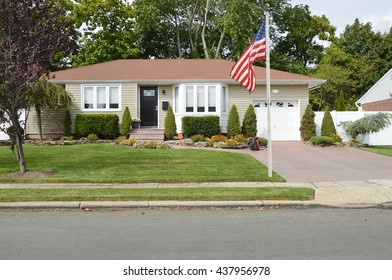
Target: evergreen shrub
x,y
126,123
308,126
322,141
233,123
327,125
103,125
208,125
170,124
249,124
67,123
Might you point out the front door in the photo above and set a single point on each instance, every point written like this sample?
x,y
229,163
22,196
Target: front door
x,y
149,106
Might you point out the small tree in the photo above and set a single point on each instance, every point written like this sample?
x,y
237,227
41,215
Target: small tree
x,y
368,124
126,123
249,124
233,124
308,126
170,124
67,123
327,126
340,103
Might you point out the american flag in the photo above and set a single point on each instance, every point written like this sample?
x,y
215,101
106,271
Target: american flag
x,y
242,70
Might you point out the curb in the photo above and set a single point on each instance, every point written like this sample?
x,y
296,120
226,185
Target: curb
x,y
76,205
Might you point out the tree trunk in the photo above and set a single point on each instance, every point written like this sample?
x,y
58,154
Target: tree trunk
x,y
203,32
39,122
220,42
18,137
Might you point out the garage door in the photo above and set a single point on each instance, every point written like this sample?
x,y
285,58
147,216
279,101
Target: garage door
x,y
285,120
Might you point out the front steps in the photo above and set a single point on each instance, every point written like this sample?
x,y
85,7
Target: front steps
x,y
148,134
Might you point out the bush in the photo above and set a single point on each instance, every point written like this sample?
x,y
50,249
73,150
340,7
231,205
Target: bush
x,y
92,137
67,123
103,125
132,141
218,138
198,138
327,126
367,124
233,123
120,138
170,124
150,145
336,137
263,142
231,143
249,124
308,126
126,123
208,125
240,138
322,140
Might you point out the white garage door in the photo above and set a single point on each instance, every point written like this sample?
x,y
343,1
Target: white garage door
x,y
285,120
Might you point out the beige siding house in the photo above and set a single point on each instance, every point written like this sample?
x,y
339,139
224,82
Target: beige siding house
x,y
193,87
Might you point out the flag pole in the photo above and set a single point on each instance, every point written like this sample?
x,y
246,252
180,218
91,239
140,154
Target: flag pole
x,y
268,80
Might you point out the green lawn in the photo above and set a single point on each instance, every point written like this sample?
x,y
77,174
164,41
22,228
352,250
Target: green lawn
x,y
183,194
383,150
107,163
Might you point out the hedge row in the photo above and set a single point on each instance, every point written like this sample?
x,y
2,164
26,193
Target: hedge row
x,y
208,125
103,125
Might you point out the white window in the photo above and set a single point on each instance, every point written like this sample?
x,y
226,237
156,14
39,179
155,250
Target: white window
x,y
223,100
189,99
101,98
211,98
176,100
201,99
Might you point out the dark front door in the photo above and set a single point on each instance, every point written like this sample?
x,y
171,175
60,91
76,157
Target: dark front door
x,y
149,106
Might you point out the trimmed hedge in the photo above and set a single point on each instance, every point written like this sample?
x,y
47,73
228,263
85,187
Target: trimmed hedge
x,y
103,125
208,125
322,141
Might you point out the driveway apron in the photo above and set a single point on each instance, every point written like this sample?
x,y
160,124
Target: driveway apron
x,y
299,162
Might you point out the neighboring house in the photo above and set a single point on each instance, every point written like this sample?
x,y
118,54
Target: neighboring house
x,y
379,96
193,87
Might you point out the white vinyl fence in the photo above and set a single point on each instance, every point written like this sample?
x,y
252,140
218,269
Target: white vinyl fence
x,y
4,136
383,137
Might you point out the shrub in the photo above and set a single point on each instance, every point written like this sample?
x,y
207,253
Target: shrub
x,y
231,143
92,137
150,145
170,124
233,123
163,147
322,140
219,144
198,138
67,123
249,124
132,141
201,144
208,125
126,123
103,125
308,126
120,138
367,124
240,138
336,137
218,138
185,142
263,142
327,125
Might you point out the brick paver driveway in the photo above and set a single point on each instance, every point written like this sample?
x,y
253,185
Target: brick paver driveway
x,y
299,162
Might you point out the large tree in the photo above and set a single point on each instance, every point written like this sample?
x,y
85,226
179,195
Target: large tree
x,y
107,31
31,33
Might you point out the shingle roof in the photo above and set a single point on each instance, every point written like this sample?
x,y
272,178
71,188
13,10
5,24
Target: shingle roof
x,y
171,71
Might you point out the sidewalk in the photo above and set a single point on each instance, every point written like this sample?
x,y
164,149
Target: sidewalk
x,y
339,194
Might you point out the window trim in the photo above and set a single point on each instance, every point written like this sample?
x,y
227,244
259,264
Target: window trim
x,y
95,97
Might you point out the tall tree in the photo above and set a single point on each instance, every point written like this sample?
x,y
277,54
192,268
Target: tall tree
x,y
31,33
108,31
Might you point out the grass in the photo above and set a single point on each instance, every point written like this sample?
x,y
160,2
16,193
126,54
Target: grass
x,y
107,163
183,194
383,150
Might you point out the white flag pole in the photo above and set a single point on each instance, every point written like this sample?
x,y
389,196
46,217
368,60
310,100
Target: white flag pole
x,y
268,80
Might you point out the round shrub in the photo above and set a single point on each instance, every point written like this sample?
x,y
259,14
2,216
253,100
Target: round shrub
x,y
198,138
322,141
240,138
231,143
92,137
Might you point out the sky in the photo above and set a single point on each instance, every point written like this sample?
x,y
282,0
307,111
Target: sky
x,y
343,12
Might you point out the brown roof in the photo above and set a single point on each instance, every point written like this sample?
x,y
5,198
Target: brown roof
x,y
170,71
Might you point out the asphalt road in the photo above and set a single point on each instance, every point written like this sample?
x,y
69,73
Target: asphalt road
x,y
197,234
